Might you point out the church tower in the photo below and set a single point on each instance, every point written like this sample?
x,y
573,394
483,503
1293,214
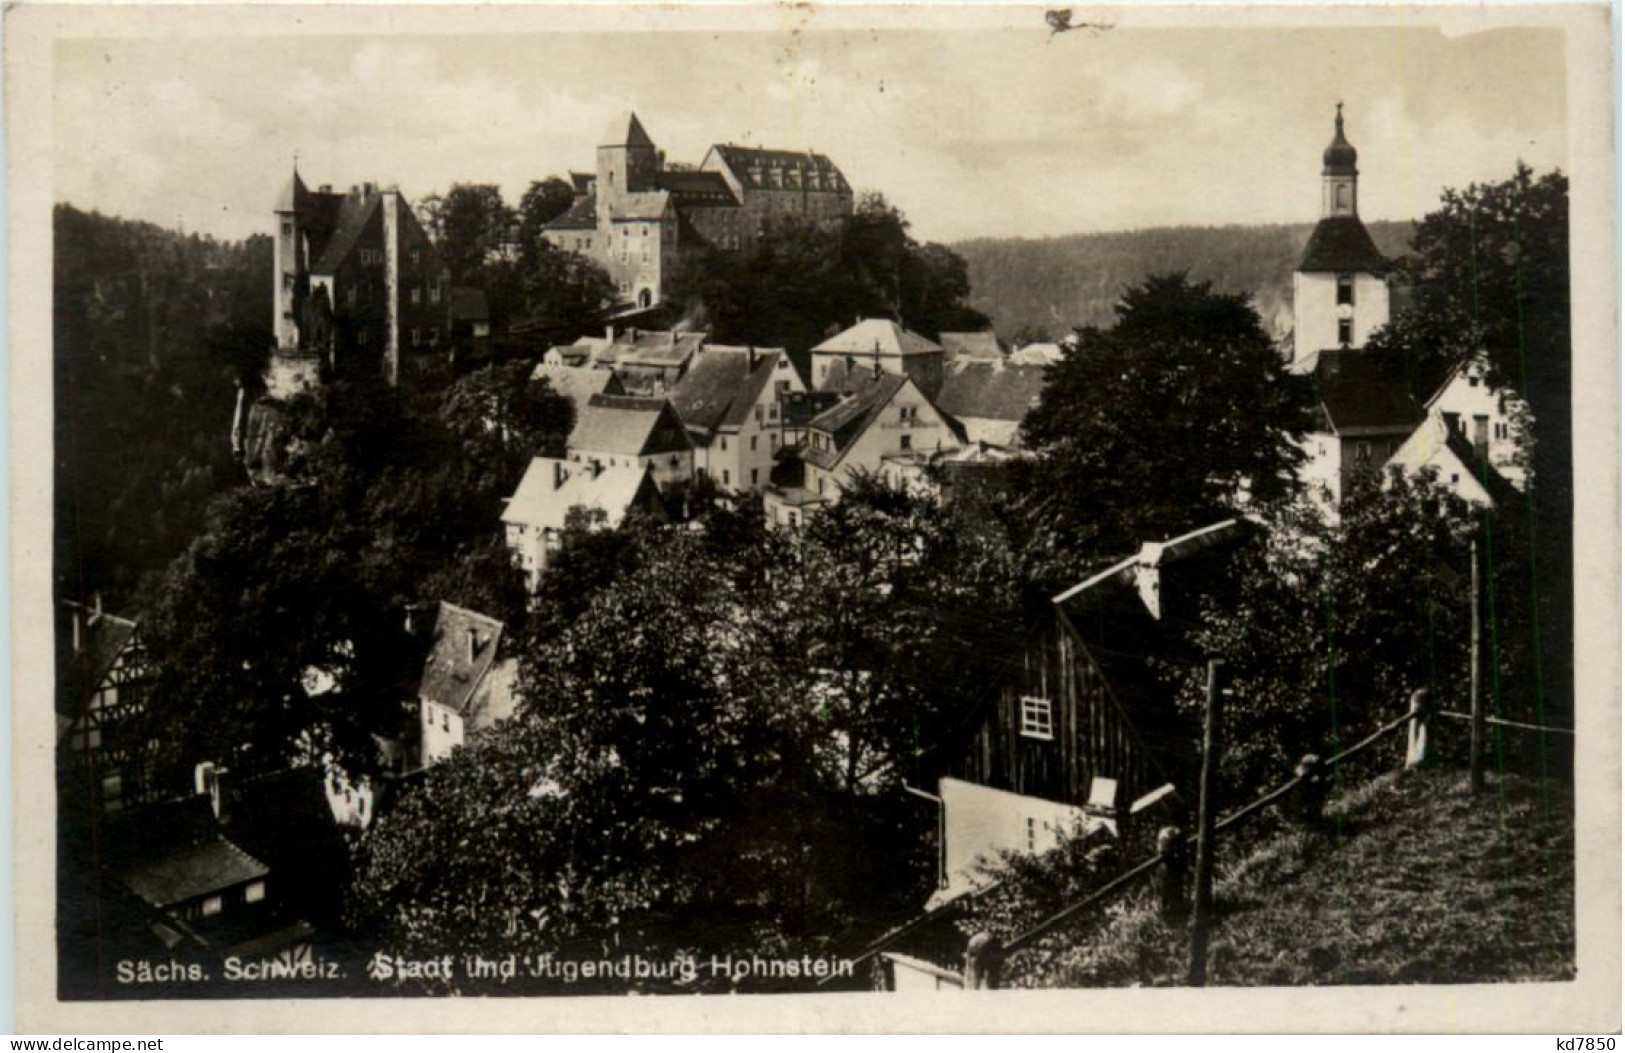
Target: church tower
x,y
1339,292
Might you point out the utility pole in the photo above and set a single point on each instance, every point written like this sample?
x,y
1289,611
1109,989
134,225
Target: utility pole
x,y
1475,689
1201,914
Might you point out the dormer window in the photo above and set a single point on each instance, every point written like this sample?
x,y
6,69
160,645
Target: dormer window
x,y
1037,718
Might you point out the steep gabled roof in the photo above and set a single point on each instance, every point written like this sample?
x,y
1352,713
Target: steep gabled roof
x,y
720,388
173,852
579,383
462,647
1341,244
581,215
552,487
882,334
851,417
354,213
629,426
751,165
102,638
1358,395
977,389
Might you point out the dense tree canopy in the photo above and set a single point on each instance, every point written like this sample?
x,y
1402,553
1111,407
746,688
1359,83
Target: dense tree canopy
x,y
802,282
1160,423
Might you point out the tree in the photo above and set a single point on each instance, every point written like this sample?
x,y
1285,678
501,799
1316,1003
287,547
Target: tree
x,y
1162,423
472,222
1489,279
564,291
542,202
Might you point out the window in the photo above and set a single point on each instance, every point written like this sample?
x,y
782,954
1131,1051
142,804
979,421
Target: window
x,y
211,906
906,441
417,295
1345,290
428,715
445,722
1345,332
725,480
753,476
1037,721
1472,382
724,444
674,462
1032,835
753,444
254,893
1362,453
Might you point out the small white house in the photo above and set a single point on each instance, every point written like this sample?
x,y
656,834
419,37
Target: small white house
x,y
1486,418
458,694
730,400
535,516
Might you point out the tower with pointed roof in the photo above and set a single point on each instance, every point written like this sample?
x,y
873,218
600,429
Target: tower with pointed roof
x,y
1340,289
291,272
627,160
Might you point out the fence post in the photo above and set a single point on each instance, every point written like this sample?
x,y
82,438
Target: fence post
x,y
1171,880
1202,906
1416,736
984,959
1475,764
1312,789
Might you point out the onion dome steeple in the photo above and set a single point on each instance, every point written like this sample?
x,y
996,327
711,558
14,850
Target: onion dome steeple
x,y
1340,156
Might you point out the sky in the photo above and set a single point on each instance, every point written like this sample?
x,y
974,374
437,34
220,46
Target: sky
x,y
991,132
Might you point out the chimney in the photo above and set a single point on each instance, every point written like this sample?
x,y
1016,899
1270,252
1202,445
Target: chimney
x,y
95,609
206,778
473,644
609,333
559,475
752,360
369,189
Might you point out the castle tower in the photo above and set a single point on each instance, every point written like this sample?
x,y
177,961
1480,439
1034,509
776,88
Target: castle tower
x,y
627,161
1339,292
292,268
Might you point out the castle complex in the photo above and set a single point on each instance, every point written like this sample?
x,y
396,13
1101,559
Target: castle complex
x,y
637,215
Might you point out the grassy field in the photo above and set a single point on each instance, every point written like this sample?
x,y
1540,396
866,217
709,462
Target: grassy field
x,y
1411,881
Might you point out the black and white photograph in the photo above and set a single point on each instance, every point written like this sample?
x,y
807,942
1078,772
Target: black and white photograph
x,y
836,502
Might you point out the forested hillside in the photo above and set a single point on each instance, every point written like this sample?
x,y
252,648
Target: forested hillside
x,y
151,327
1056,284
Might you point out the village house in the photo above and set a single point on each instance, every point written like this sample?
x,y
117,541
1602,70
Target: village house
x,y
464,687
1083,737
876,344
990,398
358,285
1488,419
621,431
730,402
884,413
535,518
1436,448
1363,415
103,677
951,472
638,216
651,362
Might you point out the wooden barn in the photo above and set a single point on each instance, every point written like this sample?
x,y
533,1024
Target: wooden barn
x,y
1084,729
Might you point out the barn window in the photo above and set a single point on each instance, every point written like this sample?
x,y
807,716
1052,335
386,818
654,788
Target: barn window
x,y
1037,719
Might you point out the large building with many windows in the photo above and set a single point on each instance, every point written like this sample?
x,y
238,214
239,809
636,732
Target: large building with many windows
x,y
636,214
